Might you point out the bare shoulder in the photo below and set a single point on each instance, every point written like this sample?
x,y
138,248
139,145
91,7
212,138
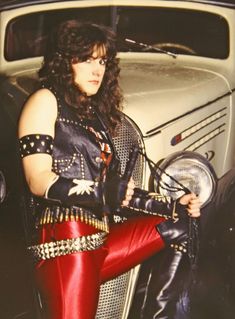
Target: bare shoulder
x,y
39,113
42,98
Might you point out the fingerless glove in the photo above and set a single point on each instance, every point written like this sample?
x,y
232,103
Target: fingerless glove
x,y
67,191
155,204
88,193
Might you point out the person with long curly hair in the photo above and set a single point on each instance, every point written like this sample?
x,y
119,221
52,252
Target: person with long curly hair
x,y
73,173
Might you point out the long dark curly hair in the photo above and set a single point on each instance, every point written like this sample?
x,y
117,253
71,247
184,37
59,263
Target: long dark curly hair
x,y
74,42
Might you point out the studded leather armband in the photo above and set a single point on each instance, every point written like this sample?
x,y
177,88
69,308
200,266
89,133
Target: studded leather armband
x,y
35,143
79,192
155,204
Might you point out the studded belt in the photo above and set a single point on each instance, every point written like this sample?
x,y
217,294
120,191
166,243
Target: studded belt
x,y
67,246
180,247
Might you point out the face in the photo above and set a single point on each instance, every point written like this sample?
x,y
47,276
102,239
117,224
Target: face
x,y
88,75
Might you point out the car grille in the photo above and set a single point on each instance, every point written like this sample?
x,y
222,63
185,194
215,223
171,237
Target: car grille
x,y
113,294
129,136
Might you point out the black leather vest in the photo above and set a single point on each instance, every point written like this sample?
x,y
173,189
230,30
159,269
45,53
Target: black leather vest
x,y
77,148
79,151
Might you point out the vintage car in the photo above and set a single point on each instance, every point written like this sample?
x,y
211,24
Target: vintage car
x,y
177,74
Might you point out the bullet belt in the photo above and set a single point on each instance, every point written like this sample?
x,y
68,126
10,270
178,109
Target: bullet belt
x,y
58,214
67,246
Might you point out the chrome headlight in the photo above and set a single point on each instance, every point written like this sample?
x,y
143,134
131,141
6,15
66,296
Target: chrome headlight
x,y
190,170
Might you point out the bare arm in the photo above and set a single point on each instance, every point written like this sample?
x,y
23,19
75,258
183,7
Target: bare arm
x,y
38,117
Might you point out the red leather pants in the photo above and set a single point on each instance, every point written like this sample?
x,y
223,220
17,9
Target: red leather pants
x,y
69,285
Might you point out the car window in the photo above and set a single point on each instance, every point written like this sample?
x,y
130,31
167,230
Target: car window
x,y
180,31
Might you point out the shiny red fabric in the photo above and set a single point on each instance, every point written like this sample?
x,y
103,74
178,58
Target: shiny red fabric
x,y
69,285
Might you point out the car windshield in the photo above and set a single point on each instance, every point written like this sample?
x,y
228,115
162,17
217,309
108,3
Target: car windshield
x,y
179,31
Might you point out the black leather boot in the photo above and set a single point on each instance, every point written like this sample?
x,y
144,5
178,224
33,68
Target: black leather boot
x,y
174,232
162,293
162,296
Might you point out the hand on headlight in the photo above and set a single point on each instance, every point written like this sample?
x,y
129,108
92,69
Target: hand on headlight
x,y
193,204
